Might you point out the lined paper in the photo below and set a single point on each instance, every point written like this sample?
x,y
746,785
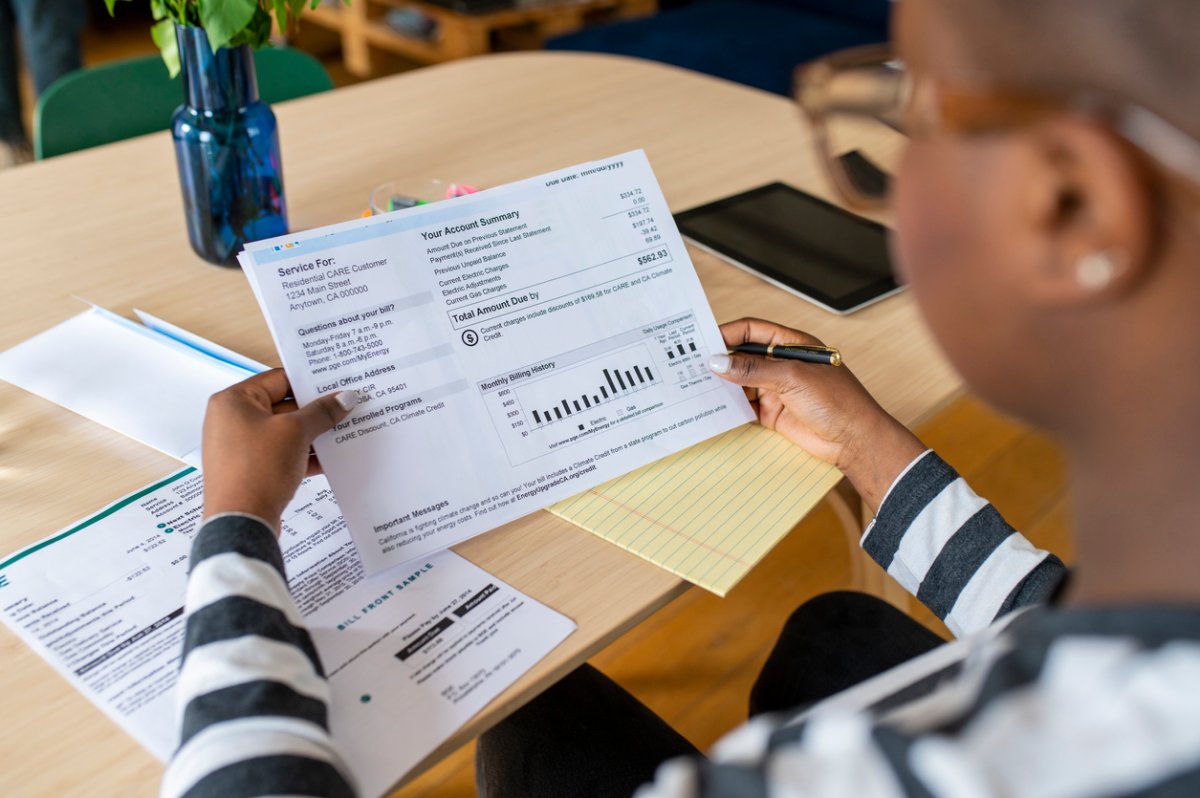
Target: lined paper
x,y
711,512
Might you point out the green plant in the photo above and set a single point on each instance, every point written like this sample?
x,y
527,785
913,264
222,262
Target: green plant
x,y
229,23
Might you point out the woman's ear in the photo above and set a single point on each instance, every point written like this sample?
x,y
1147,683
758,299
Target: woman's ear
x,y
1092,203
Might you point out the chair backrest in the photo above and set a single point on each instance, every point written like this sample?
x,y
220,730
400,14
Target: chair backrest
x,y
117,101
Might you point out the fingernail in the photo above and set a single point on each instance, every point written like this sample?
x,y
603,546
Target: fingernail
x,y
347,399
719,363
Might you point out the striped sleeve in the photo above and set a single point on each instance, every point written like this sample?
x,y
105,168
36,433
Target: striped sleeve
x,y
1083,703
251,692
954,552
837,757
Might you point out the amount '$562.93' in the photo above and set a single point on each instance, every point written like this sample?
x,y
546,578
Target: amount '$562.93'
x,y
657,254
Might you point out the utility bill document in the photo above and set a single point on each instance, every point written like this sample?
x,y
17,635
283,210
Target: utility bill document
x,y
515,347
410,655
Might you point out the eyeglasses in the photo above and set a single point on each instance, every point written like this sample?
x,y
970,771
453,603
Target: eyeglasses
x,y
862,104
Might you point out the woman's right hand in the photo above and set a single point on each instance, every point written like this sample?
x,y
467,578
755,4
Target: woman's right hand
x,y
257,444
823,409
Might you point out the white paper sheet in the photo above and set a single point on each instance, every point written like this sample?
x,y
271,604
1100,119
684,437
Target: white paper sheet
x,y
516,346
102,601
127,377
201,345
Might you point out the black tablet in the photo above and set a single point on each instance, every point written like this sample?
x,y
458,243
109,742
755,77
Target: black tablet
x,y
799,243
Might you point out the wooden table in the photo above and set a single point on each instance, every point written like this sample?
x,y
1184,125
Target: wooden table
x,y
107,224
364,31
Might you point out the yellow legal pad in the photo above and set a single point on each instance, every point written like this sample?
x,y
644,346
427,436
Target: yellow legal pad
x,y
711,512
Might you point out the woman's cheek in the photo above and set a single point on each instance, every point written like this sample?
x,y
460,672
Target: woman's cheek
x,y
932,246
925,237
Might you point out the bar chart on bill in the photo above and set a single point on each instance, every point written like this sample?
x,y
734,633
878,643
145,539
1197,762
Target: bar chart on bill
x,y
561,400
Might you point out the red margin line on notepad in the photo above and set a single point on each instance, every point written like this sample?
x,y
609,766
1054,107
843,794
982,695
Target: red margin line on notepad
x,y
670,529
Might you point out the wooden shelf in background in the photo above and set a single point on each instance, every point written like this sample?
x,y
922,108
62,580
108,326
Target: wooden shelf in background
x,y
364,31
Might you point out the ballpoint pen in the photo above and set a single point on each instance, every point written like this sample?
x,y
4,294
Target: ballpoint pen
x,y
825,355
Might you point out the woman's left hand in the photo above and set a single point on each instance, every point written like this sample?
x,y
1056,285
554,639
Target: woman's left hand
x,y
257,444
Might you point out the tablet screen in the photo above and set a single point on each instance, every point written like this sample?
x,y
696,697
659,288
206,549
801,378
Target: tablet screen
x,y
798,242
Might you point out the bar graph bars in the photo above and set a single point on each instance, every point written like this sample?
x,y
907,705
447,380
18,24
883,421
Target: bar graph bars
x,y
637,372
682,349
616,382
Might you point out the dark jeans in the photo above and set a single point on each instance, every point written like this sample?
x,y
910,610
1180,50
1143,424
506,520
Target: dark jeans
x,y
587,737
50,38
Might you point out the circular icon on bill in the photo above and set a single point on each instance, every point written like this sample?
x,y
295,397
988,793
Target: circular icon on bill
x,y
470,337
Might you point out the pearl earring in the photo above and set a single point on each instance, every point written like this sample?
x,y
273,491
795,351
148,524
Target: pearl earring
x,y
1096,271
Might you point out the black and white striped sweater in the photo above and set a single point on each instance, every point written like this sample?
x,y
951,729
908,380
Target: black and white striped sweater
x,y
1040,703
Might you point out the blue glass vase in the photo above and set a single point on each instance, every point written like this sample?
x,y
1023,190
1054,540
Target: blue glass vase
x,y
227,148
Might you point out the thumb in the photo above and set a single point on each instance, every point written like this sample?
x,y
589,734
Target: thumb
x,y
752,371
323,414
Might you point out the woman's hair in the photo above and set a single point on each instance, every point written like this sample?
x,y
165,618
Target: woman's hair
x,y
1142,51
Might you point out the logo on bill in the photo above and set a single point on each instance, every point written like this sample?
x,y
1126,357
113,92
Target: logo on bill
x,y
288,245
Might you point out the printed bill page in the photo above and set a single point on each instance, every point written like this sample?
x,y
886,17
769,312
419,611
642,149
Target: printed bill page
x,y
514,347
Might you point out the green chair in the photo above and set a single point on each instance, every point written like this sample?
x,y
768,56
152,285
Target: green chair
x,y
117,101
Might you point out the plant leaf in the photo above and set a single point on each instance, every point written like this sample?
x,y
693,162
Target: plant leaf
x,y
256,33
110,5
281,15
297,6
225,19
163,33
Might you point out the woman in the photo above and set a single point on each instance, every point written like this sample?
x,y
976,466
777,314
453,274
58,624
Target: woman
x,y
1047,223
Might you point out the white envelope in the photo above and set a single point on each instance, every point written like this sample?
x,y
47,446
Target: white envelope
x,y
149,382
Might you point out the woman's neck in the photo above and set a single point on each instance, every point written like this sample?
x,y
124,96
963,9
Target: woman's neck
x,y
1135,496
